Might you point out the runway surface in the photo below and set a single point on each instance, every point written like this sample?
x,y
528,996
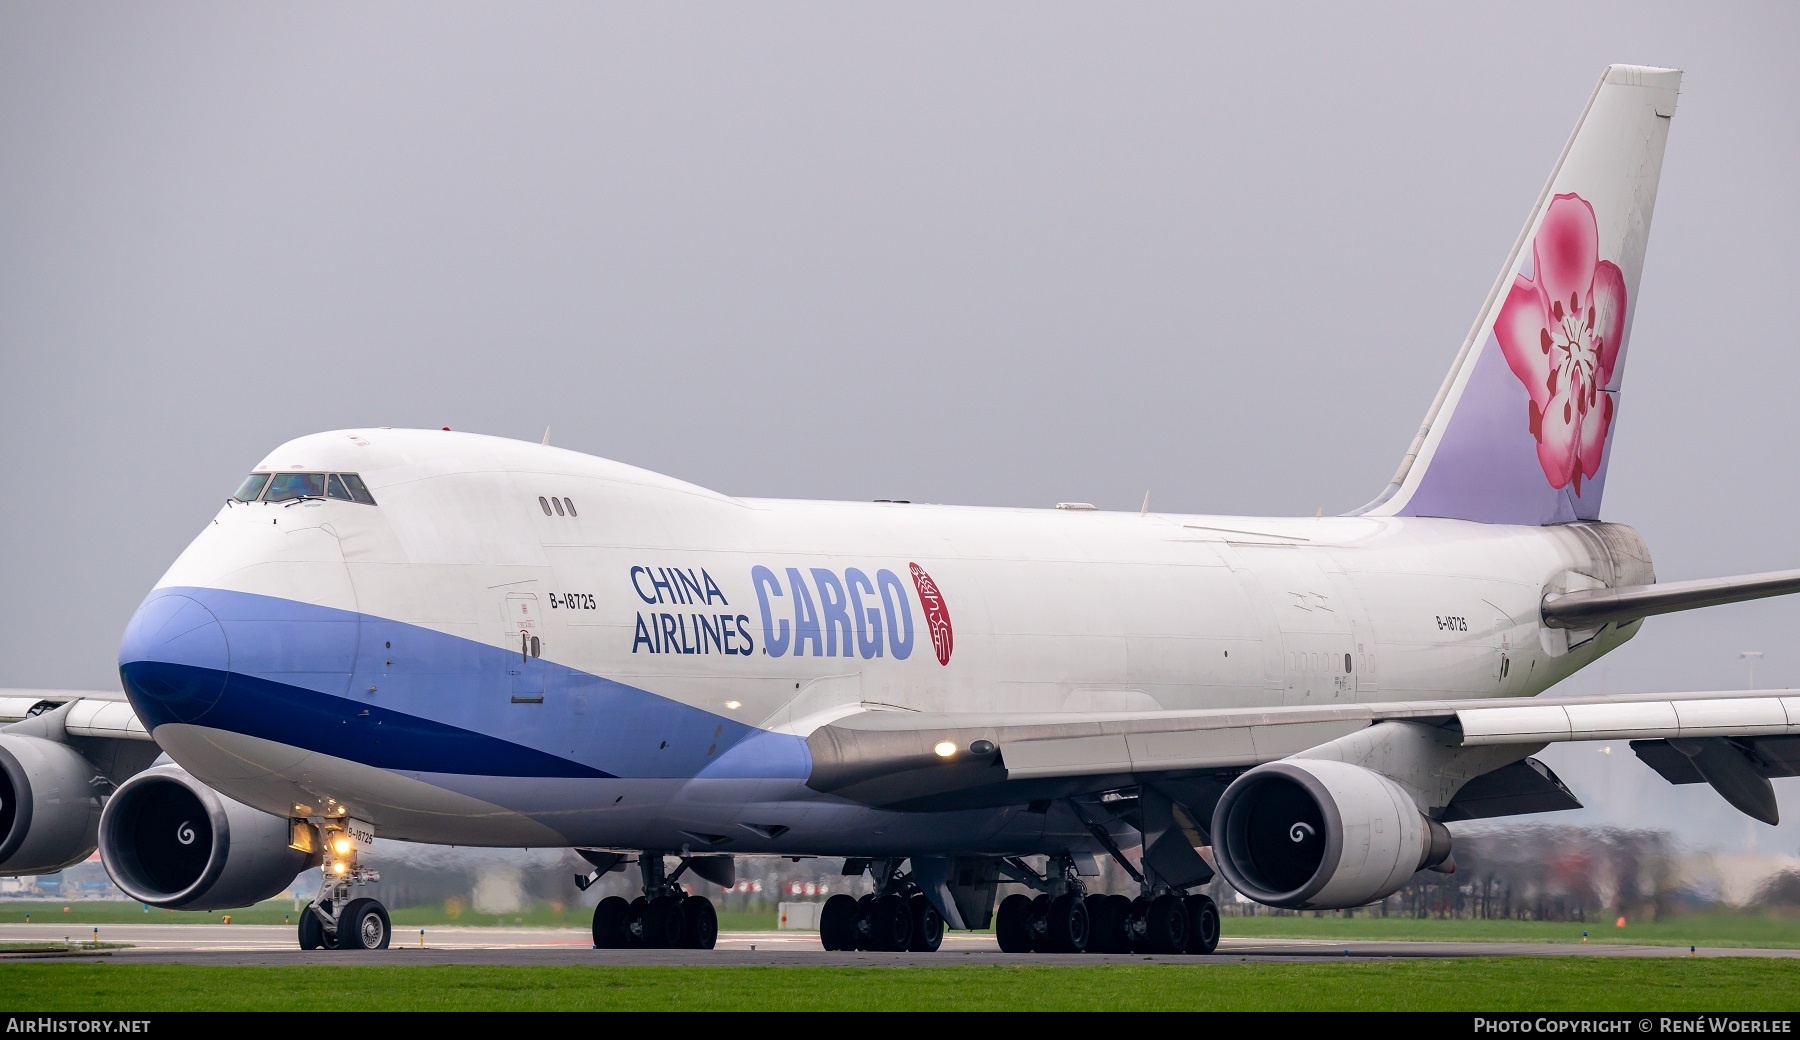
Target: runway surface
x,y
275,945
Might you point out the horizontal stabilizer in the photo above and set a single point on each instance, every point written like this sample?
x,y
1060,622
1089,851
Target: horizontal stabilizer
x,y
1596,607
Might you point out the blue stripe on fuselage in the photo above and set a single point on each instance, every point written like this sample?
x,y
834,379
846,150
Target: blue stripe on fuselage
x,y
341,728
440,703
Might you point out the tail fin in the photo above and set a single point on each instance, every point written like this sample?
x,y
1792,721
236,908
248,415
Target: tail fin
x,y
1522,427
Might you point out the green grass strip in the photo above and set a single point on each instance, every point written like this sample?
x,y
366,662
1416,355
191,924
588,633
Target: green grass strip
x,y
1476,984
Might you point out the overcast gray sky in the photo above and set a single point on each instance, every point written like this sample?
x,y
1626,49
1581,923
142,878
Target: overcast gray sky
x,y
982,253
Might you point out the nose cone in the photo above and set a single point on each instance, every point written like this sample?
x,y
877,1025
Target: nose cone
x,y
173,660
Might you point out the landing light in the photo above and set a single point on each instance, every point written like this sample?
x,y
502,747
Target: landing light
x,y
734,705
341,846
945,749
340,867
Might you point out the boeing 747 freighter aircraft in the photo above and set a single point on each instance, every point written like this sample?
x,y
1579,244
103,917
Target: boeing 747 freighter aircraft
x,y
431,636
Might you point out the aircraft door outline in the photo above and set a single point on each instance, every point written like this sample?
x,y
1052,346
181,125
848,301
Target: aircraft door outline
x,y
523,627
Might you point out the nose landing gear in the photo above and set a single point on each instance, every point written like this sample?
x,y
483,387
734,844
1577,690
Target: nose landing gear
x,y
665,917
334,920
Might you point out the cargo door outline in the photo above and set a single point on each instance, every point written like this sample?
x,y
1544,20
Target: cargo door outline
x,y
1314,629
1274,672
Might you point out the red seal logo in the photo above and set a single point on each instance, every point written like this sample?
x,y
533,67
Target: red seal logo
x,y
937,615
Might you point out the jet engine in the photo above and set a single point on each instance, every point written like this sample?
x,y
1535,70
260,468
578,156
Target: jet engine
x,y
171,841
49,805
1308,834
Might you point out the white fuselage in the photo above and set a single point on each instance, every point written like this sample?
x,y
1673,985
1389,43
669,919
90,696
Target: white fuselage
x,y
676,645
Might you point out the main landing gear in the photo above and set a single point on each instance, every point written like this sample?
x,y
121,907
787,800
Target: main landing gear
x,y
895,917
336,919
665,917
1064,918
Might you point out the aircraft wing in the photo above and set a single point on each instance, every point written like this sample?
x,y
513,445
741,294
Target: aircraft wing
x,y
1735,741
97,723
92,713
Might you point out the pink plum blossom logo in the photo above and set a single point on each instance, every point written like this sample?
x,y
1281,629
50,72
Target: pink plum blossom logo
x,y
1560,331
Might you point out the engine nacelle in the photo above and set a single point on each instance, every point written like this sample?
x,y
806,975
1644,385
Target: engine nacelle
x,y
171,841
49,805
1309,834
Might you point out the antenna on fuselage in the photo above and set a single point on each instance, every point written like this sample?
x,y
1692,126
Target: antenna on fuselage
x,y
546,440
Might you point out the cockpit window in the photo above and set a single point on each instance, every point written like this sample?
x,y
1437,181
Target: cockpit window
x,y
285,487
252,487
290,487
359,492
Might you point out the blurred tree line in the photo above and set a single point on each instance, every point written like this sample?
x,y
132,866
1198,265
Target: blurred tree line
x,y
1544,873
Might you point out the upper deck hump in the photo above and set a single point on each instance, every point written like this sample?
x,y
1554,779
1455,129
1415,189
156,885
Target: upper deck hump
x,y
386,457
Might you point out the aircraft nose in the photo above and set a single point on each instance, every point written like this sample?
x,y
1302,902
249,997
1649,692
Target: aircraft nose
x,y
173,660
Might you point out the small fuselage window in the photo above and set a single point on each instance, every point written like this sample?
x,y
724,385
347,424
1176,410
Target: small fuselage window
x,y
294,487
555,506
